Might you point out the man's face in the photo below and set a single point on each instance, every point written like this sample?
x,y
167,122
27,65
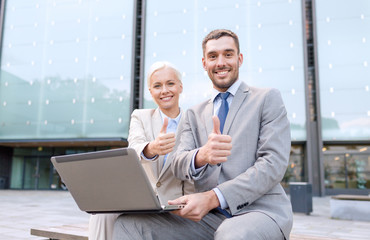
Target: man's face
x,y
165,89
222,61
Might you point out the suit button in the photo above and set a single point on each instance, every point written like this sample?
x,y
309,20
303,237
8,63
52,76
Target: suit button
x,y
218,164
187,177
158,184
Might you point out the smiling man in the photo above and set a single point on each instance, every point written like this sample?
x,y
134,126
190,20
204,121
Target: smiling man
x,y
235,147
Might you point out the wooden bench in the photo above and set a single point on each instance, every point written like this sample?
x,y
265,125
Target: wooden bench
x,y
350,207
80,232
306,237
351,197
65,232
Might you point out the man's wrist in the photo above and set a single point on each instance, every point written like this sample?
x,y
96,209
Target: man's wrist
x,y
199,160
213,199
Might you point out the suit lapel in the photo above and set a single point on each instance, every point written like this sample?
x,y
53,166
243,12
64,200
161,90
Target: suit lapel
x,y
156,123
207,117
239,97
169,157
156,126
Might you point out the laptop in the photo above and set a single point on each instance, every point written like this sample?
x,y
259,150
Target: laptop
x,y
109,181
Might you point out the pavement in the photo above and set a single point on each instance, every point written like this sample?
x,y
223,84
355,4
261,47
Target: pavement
x,y
21,210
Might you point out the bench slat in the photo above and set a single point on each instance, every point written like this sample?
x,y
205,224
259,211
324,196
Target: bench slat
x,y
65,232
305,237
351,197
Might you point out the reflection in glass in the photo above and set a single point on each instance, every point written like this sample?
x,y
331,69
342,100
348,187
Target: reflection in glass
x,y
343,55
295,171
66,75
347,167
32,168
270,41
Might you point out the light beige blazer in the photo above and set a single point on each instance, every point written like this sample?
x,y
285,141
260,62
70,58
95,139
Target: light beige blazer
x,y
145,125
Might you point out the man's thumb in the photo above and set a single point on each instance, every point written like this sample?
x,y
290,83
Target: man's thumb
x,y
216,125
164,127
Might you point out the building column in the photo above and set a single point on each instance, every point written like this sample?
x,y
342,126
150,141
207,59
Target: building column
x,y
314,157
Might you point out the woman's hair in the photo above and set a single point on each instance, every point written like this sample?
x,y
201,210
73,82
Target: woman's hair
x,y
160,65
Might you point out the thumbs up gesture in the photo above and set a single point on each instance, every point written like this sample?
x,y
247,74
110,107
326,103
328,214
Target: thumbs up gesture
x,y
216,125
217,148
163,143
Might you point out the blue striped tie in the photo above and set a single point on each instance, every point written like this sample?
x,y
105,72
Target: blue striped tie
x,y
224,109
224,212
222,113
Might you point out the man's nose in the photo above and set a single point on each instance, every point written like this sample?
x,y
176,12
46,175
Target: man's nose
x,y
220,61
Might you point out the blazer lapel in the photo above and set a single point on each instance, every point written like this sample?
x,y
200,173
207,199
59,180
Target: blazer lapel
x,y
207,117
156,123
239,97
169,157
156,126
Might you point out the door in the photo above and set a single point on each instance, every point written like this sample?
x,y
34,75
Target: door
x,y
37,172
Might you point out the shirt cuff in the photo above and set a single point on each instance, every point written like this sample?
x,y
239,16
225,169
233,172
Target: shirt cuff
x,y
194,171
149,159
221,199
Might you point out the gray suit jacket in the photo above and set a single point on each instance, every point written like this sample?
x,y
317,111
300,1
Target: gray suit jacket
x,y
145,125
250,179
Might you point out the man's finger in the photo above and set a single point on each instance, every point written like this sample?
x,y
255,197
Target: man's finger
x,y
216,125
164,127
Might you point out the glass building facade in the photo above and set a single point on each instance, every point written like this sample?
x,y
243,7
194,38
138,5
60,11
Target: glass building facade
x,y
69,70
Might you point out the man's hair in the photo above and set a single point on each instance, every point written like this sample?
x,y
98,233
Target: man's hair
x,y
218,33
160,65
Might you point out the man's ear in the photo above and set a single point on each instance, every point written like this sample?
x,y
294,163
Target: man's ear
x,y
240,59
204,64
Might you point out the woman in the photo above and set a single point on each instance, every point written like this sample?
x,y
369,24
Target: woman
x,y
153,136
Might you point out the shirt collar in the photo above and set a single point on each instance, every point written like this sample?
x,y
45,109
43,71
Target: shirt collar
x,y
177,119
232,89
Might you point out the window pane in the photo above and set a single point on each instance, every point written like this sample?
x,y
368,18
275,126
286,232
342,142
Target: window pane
x,y
343,57
347,166
270,41
66,69
296,169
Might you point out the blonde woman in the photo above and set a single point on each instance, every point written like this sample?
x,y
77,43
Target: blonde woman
x,y
153,135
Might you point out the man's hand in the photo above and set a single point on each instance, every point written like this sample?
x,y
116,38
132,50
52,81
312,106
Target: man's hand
x,y
217,148
197,205
162,144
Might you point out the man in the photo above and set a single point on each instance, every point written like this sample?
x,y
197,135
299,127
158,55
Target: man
x,y
237,173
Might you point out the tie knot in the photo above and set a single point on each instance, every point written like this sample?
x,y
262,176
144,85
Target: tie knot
x,y
224,95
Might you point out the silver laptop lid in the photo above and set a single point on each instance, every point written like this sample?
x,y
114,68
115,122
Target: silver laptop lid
x,y
107,181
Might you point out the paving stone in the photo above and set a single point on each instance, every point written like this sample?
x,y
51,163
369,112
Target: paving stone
x,y
22,210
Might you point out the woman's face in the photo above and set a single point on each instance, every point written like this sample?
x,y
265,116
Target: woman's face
x,y
165,89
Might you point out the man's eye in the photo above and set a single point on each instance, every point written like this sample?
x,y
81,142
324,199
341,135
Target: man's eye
x,y
157,86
